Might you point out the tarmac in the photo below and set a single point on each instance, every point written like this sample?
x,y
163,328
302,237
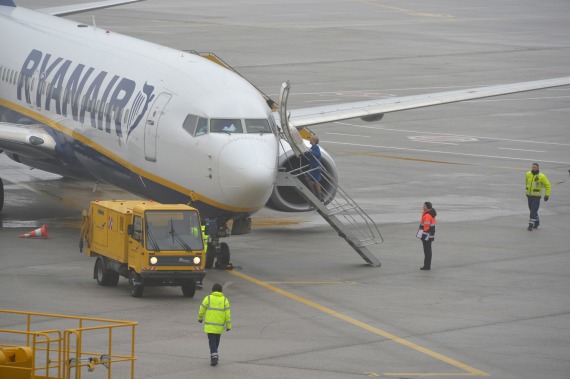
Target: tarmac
x,y
497,300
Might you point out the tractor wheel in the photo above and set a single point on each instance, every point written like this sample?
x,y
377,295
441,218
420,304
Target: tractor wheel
x,y
135,284
189,288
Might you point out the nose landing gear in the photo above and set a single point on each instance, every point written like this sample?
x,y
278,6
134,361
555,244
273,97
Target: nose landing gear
x,y
218,256
218,253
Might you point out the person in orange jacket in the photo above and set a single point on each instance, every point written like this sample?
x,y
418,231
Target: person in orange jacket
x,y
426,232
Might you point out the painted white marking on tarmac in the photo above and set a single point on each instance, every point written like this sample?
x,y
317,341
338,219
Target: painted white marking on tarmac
x,y
322,101
350,135
532,151
441,143
444,152
458,135
443,138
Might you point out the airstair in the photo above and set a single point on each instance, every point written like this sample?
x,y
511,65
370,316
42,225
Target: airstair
x,y
339,209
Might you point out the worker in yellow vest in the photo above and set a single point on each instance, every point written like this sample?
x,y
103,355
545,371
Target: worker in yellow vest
x,y
205,237
216,315
535,183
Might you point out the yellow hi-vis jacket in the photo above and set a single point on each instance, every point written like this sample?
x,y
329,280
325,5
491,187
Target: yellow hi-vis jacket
x,y
535,183
215,312
205,237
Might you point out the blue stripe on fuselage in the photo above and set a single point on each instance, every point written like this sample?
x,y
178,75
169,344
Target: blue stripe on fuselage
x,y
79,160
7,3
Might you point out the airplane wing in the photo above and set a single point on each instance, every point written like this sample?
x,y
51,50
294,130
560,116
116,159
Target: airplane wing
x,y
26,140
74,193
80,8
373,110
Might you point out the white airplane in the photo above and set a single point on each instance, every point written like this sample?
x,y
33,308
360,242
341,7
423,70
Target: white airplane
x,y
164,124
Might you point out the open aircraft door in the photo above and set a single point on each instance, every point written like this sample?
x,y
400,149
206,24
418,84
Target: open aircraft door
x,y
151,125
291,133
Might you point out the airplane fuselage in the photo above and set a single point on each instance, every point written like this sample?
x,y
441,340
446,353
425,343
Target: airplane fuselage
x,y
130,113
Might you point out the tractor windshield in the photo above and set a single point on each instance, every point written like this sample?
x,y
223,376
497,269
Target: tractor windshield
x,y
173,230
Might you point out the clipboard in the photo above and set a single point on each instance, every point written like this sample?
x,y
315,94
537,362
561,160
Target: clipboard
x,y
420,233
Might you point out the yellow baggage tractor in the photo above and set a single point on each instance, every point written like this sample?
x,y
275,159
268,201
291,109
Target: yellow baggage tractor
x,y
149,243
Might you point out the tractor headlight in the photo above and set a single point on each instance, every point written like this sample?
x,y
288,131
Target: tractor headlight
x,y
153,260
196,260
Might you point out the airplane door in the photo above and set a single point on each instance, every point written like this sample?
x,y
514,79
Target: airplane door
x,y
151,125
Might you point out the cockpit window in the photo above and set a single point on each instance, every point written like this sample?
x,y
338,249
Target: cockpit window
x,y
202,127
232,125
195,125
257,126
190,124
198,126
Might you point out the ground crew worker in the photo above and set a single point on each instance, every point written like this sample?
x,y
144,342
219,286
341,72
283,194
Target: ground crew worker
x,y
426,233
535,182
205,237
215,312
314,176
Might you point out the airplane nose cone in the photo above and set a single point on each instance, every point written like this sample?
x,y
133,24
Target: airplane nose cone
x,y
247,170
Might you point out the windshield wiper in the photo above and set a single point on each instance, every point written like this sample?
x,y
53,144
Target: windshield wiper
x,y
179,239
151,238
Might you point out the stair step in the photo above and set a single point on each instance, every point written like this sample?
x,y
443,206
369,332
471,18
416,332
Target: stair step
x,y
357,233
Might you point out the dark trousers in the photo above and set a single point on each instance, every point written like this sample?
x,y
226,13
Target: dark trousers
x,y
533,205
427,253
214,341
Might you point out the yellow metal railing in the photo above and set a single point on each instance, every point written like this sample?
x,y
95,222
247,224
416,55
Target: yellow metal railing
x,y
61,353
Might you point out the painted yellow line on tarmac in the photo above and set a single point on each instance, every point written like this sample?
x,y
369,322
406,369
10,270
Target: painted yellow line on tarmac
x,y
469,370
415,374
265,221
310,282
423,160
400,158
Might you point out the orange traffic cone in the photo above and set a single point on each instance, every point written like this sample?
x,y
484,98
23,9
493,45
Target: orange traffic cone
x,y
39,232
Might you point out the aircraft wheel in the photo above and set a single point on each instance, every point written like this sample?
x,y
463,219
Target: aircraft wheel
x,y
1,195
135,284
189,288
105,277
210,255
223,256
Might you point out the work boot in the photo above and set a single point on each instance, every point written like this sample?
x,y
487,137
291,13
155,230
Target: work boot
x,y
529,227
214,359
